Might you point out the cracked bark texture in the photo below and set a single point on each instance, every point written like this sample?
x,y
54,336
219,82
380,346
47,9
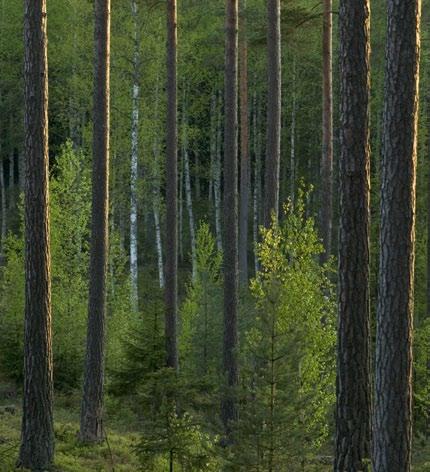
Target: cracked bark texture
x,y
91,426
37,434
171,292
231,269
353,412
393,386
274,103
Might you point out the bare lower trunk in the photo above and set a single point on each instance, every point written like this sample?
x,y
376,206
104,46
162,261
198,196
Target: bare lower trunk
x,y
213,145
392,426
353,409
37,433
91,427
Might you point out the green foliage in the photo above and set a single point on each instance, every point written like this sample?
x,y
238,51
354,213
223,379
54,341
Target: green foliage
x,y
288,372
201,312
70,216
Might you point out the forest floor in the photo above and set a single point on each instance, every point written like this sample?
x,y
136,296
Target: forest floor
x,y
116,454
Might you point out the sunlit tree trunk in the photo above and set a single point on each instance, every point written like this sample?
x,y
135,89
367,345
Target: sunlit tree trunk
x,y
392,426
37,433
326,203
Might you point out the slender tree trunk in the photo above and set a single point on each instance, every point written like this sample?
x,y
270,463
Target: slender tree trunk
x,y
230,362
197,175
188,194
91,427
393,395
257,176
217,180
326,201
134,163
213,146
244,151
293,138
157,199
274,101
181,208
171,191
37,434
3,205
353,366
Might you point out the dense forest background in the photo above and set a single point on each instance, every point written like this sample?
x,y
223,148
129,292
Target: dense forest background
x,y
287,298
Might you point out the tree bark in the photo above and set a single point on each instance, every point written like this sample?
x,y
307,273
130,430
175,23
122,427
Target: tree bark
x,y
353,416
171,191
188,194
257,175
274,101
244,151
37,434
91,427
217,179
134,163
326,203
293,138
230,362
3,206
393,386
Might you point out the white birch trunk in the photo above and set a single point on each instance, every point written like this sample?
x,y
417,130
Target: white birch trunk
x,y
188,195
293,140
134,166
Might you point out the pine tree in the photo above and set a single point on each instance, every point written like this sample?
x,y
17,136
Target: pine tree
x,y
37,436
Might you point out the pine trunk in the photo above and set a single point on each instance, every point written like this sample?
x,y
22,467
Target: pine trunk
x,y
274,101
229,411
244,152
353,366
37,434
3,205
326,203
217,179
393,387
171,192
91,427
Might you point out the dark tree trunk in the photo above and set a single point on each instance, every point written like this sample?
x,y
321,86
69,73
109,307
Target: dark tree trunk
x,y
230,362
353,417
393,396
171,191
244,151
326,203
91,428
37,436
274,102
